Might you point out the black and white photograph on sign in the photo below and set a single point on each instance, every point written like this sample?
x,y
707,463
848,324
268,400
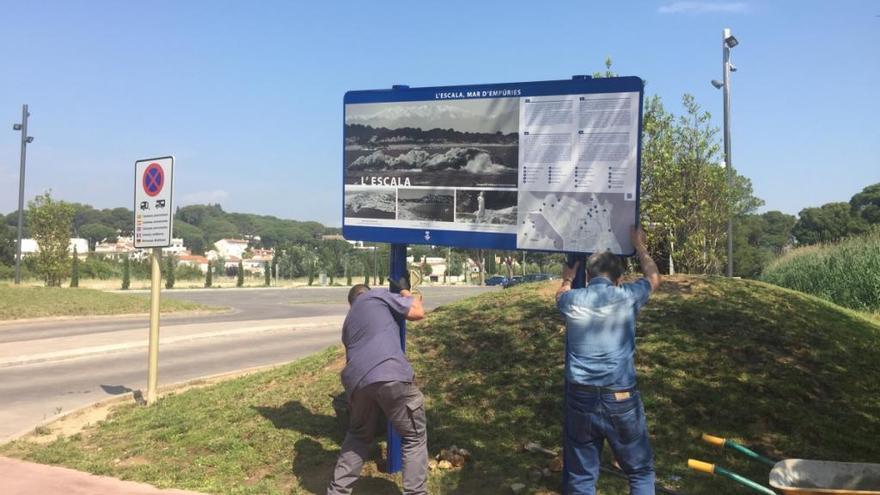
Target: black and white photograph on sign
x,y
575,222
446,143
370,203
485,207
429,205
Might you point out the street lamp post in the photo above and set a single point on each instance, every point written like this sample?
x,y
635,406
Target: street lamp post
x,y
728,41
25,139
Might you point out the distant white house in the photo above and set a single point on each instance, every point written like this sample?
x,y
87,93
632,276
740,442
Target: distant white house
x,y
31,247
231,247
257,261
194,260
124,246
176,248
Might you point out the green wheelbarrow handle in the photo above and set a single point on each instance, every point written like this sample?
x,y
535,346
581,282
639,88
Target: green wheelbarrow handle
x,y
706,467
742,449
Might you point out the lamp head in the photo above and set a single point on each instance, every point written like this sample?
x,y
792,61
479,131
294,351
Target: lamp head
x,y
718,84
729,39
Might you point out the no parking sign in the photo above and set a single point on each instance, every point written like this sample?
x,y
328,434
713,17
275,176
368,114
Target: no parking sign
x,y
153,213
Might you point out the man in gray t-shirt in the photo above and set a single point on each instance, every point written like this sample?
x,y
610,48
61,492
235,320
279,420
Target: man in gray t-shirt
x,y
378,379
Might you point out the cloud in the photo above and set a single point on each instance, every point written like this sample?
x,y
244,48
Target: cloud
x,y
704,8
204,197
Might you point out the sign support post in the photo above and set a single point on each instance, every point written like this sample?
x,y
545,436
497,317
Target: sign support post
x,y
153,228
153,360
396,268
579,282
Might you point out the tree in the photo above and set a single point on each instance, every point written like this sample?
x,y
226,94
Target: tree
x,y
74,270
686,199
169,272
7,245
209,276
50,222
491,266
126,273
332,256
193,237
866,204
827,223
454,263
267,273
239,281
97,232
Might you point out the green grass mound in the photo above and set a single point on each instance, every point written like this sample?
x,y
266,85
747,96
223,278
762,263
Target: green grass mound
x,y
39,302
846,273
789,374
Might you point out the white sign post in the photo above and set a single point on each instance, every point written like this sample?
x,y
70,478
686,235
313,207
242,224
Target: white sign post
x,y
153,226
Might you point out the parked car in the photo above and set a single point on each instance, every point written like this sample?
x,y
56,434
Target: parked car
x,y
537,277
513,281
496,280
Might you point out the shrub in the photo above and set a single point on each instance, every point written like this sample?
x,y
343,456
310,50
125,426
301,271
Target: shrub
x,y
187,272
846,272
100,268
126,273
169,272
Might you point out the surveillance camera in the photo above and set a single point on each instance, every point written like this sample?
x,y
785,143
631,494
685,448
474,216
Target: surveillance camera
x,y
30,139
718,84
732,67
16,127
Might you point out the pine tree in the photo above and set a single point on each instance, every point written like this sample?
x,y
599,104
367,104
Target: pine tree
x,y
126,274
209,277
240,281
267,273
169,273
74,272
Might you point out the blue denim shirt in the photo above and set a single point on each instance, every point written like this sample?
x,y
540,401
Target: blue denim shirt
x,y
600,330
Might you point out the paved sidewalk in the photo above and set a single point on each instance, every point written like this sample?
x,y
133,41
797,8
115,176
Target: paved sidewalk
x,y
26,478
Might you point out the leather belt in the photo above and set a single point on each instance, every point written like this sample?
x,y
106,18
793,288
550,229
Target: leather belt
x,y
601,390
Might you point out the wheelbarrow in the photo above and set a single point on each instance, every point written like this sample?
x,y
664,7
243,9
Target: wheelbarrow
x,y
799,476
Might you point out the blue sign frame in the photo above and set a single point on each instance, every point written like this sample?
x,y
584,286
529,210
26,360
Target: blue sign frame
x,y
486,240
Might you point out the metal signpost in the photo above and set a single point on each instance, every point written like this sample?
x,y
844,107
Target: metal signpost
x,y
535,166
153,226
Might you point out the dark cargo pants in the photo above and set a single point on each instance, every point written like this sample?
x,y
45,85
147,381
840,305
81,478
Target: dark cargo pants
x,y
403,405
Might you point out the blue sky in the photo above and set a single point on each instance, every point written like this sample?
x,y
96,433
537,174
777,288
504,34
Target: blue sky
x,y
248,95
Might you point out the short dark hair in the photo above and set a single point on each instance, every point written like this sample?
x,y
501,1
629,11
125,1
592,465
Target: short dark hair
x,y
605,264
355,291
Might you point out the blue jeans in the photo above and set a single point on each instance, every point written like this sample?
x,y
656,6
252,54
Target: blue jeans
x,y
592,418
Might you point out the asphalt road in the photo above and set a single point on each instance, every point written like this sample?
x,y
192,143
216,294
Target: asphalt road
x,y
32,393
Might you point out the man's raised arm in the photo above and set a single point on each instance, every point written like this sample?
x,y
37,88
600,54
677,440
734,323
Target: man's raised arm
x,y
649,268
416,311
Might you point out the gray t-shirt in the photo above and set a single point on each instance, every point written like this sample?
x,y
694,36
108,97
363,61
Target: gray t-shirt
x,y
371,334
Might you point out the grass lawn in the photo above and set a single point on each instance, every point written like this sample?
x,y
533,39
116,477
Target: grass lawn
x,y
789,374
38,302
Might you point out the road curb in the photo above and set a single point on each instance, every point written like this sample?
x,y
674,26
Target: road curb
x,y
125,346
164,390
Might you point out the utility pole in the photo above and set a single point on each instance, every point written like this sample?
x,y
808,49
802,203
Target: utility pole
x,y
25,139
728,41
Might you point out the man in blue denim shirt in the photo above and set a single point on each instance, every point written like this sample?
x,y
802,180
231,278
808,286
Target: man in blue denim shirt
x,y
602,401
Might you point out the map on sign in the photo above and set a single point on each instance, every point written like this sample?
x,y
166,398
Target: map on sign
x,y
153,213
550,166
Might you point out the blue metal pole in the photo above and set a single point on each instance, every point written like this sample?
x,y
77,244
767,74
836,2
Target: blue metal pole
x,y
579,282
396,268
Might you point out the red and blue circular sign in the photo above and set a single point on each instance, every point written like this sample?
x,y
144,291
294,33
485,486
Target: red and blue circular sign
x,y
153,180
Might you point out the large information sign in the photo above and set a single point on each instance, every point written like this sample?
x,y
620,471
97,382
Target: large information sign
x,y
549,166
153,212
